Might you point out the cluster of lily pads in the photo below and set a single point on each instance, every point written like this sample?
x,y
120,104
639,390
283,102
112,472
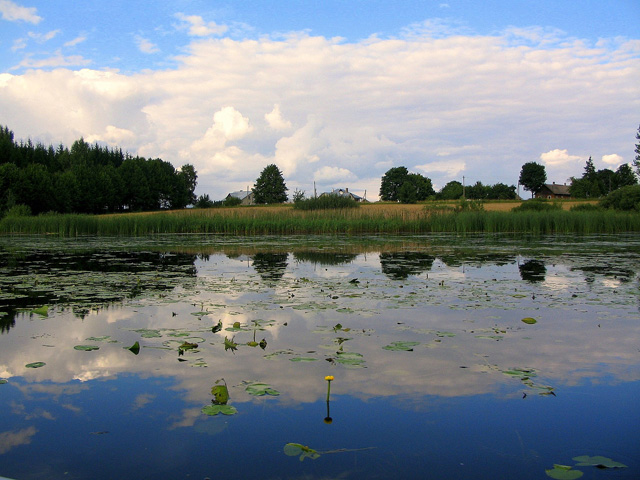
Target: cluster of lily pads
x,y
220,392
567,472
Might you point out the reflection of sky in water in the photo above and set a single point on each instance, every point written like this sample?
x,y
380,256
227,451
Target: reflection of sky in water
x,y
446,407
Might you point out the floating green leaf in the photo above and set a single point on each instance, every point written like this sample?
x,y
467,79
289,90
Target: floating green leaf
x,y
86,348
213,410
230,344
563,472
401,346
35,365
350,359
221,394
135,348
188,346
529,321
43,311
597,461
259,389
3,381
303,359
216,328
296,449
148,333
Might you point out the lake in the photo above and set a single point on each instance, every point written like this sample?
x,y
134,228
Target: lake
x,y
194,357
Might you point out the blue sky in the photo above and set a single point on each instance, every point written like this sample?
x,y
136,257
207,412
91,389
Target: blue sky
x,y
334,92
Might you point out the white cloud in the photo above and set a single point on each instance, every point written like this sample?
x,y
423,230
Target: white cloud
x,y
275,119
198,27
13,12
75,41
451,169
113,136
612,160
57,60
478,105
559,157
145,45
44,37
328,175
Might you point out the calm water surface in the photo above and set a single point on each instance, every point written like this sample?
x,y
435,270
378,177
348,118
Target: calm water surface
x,y
436,375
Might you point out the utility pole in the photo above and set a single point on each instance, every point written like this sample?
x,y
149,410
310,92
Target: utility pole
x,y
464,197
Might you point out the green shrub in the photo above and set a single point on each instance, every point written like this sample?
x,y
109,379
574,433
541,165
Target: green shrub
x,y
232,202
585,207
625,198
19,211
537,205
470,206
326,202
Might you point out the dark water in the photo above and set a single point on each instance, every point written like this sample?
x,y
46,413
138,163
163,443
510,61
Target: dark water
x,y
435,373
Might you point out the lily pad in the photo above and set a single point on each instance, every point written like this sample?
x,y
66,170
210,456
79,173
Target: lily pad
x,y
563,472
35,365
86,348
213,410
148,333
296,449
135,348
529,321
350,359
188,346
43,311
597,461
260,389
3,381
221,394
303,359
401,346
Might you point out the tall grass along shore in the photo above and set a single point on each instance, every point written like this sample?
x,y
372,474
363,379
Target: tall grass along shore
x,y
368,219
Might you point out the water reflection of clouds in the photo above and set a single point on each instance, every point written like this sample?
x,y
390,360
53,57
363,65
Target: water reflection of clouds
x,y
15,438
565,347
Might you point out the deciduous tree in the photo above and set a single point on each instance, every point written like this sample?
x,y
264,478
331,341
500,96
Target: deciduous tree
x,y
533,177
270,186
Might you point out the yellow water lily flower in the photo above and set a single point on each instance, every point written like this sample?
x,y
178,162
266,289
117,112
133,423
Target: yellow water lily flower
x,y
328,378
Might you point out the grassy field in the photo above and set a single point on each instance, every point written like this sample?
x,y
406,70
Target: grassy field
x,y
374,218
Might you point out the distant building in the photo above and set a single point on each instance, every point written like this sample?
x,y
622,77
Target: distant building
x,y
554,190
344,192
245,196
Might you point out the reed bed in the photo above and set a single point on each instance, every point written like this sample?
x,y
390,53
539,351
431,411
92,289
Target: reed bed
x,y
383,219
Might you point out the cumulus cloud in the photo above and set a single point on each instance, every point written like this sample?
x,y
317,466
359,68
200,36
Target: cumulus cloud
x,y
559,157
275,120
449,168
478,105
197,27
612,160
326,175
113,136
13,12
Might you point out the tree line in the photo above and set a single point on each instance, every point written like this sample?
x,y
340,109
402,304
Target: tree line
x,y
592,184
400,185
88,179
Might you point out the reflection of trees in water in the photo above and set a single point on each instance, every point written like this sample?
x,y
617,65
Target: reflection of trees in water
x,y
7,322
325,258
476,258
270,266
34,279
533,271
401,265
